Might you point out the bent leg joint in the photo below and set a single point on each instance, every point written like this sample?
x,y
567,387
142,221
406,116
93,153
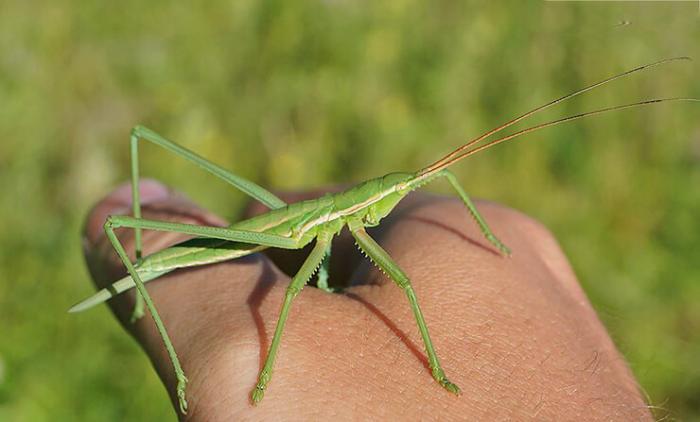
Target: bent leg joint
x,y
292,291
136,132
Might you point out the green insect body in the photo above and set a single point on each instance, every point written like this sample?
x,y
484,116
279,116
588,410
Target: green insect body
x,y
292,226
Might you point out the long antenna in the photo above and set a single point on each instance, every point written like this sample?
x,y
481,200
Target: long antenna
x,y
456,152
454,158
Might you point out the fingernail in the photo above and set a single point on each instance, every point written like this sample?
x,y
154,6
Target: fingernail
x,y
149,191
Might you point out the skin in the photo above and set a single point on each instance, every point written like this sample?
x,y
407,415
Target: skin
x,y
516,334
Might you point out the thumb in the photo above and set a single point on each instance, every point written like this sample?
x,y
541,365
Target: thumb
x,y
211,313
158,202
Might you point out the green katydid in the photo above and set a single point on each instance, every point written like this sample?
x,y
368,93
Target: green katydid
x,y
292,226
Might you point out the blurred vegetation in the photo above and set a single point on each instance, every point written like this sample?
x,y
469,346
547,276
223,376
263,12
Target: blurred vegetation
x,y
301,94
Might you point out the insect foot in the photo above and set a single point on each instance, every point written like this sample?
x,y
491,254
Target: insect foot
x,y
259,391
440,377
505,250
138,311
181,385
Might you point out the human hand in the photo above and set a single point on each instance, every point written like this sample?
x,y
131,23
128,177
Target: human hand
x,y
516,334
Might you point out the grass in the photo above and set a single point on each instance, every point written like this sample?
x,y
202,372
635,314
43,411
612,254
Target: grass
x,y
356,89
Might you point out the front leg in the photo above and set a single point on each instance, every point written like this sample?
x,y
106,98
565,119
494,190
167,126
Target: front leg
x,y
480,221
382,259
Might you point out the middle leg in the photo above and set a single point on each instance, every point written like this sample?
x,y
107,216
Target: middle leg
x,y
298,282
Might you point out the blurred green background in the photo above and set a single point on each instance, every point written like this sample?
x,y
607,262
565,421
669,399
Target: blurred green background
x,y
301,94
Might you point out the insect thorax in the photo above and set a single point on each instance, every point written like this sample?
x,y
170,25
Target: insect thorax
x,y
374,199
